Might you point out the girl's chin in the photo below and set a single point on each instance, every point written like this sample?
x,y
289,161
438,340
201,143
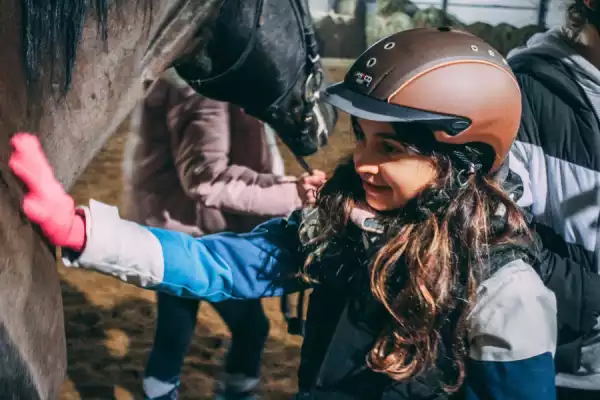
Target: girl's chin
x,y
383,203
377,203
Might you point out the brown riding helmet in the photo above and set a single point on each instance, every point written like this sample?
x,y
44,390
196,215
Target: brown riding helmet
x,y
449,79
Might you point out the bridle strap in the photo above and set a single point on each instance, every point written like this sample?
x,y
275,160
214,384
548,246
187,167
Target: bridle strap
x,y
247,50
308,28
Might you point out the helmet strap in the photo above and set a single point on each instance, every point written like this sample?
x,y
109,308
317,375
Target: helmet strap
x,y
467,159
463,175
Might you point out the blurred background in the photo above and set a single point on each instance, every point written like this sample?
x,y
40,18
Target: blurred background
x,y
110,325
346,26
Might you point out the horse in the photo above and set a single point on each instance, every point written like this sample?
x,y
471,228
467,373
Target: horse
x,y
72,70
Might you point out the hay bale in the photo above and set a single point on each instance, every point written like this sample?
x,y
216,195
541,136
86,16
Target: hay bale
x,y
504,37
503,34
379,26
339,36
434,17
346,7
343,36
387,8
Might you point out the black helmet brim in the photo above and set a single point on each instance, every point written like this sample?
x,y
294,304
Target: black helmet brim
x,y
366,107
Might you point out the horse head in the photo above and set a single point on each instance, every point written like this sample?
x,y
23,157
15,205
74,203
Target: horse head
x,y
263,56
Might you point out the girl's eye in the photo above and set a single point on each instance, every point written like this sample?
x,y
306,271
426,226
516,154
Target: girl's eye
x,y
359,134
390,148
359,140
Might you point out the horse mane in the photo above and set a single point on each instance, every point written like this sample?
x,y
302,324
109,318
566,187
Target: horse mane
x,y
50,34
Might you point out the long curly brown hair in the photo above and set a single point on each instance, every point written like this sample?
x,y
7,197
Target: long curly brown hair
x,y
427,270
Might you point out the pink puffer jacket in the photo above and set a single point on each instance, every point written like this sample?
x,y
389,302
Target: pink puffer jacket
x,y
201,166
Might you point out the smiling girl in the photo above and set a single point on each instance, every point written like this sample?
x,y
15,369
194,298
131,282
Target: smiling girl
x,y
420,261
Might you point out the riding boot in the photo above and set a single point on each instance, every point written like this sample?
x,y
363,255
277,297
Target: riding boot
x,y
236,387
167,390
249,328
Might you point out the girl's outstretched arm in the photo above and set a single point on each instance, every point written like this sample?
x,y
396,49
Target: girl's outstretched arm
x,y
217,267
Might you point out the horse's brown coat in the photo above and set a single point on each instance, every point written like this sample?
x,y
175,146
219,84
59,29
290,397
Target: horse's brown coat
x,y
107,83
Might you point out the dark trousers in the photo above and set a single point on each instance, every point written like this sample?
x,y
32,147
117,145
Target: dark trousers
x,y
246,320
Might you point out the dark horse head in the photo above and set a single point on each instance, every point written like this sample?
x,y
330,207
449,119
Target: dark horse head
x,y
72,71
277,81
261,55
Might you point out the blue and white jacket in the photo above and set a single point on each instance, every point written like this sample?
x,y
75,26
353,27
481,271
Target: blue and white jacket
x,y
512,332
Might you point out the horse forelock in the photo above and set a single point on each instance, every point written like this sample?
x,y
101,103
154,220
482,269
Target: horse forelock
x,y
50,35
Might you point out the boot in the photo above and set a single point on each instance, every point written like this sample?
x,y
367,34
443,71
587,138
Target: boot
x,y
157,390
236,387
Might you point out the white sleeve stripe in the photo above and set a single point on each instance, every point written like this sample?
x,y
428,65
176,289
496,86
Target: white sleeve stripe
x,y
119,248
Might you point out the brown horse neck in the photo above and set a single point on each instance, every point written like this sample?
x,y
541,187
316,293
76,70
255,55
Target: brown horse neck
x,y
107,80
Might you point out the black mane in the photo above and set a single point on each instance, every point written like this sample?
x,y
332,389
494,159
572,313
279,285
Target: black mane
x,y
50,33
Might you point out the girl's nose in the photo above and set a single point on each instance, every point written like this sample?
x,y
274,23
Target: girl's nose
x,y
365,163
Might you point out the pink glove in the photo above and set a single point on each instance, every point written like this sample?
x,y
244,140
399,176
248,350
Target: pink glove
x,y
46,203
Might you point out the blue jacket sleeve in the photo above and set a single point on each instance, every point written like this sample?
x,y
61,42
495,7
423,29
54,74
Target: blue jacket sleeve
x,y
262,263
512,338
528,379
217,267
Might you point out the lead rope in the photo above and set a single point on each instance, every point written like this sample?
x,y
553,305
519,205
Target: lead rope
x,y
295,323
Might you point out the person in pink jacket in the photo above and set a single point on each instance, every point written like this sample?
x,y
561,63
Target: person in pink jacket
x,y
201,166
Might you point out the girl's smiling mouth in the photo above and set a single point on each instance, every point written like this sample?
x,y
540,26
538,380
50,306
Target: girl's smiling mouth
x,y
374,189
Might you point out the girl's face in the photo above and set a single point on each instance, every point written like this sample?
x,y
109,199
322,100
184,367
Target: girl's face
x,y
391,172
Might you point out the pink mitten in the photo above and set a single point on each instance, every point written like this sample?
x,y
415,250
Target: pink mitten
x,y
46,202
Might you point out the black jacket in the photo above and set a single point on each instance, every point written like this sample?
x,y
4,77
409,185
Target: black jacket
x,y
559,125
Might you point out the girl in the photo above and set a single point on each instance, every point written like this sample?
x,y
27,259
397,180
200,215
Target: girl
x,y
420,261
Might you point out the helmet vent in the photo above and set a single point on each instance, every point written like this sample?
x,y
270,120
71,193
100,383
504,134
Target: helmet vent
x,y
444,29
